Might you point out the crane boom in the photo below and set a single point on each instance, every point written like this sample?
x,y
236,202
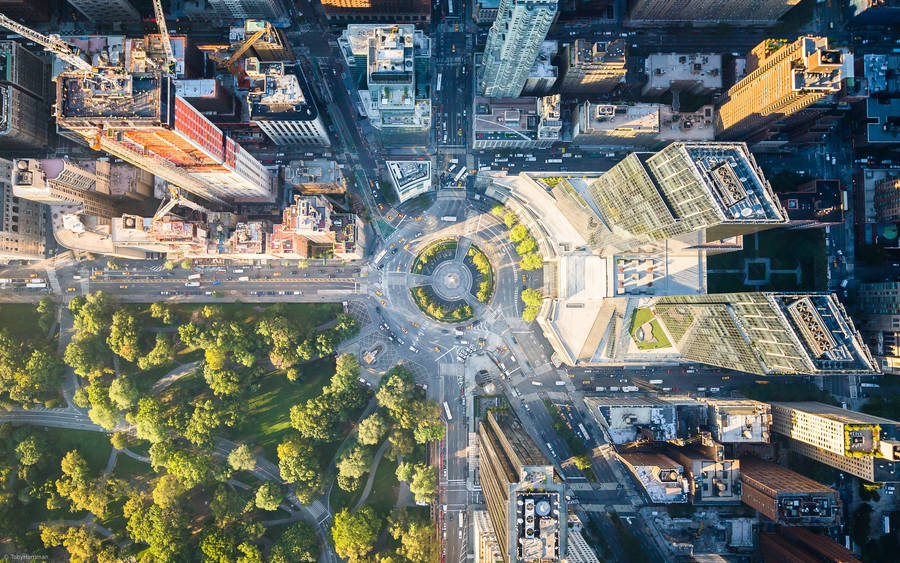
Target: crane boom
x,y
51,43
163,32
246,45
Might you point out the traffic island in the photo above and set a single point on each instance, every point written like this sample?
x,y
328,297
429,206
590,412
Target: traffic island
x,y
454,274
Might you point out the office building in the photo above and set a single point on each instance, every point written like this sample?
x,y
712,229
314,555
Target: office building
x,y
24,120
659,476
311,227
739,421
229,10
766,333
887,199
880,322
684,188
861,444
736,12
315,176
23,70
608,124
634,418
874,12
487,550
882,123
148,125
410,178
107,11
377,11
22,222
592,68
544,73
391,67
794,543
787,497
516,122
577,548
282,106
698,74
782,79
525,500
513,44
60,181
710,480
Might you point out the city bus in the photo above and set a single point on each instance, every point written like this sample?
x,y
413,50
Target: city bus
x,y
460,174
447,412
437,87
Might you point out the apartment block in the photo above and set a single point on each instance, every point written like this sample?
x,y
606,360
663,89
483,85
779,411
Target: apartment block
x,y
699,73
577,548
487,550
710,480
766,333
787,497
782,79
312,223
391,66
880,322
634,418
147,124
608,124
861,444
739,421
22,222
377,11
230,10
281,104
315,176
513,44
525,500
107,11
543,75
660,477
592,68
887,199
24,120
736,12
516,122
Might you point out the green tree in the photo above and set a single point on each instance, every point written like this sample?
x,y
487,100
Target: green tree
x,y
582,462
315,419
282,338
39,379
527,246
149,421
293,374
119,440
191,468
326,342
297,544
405,471
162,351
532,297
416,536
518,233
92,314
164,530
269,496
30,450
307,349
249,553
532,261
355,462
123,392
167,491
82,543
498,210
423,483
102,412
186,264
298,464
509,219
222,382
169,265
88,356
205,420
124,335
372,429
229,506
529,314
242,459
218,546
354,535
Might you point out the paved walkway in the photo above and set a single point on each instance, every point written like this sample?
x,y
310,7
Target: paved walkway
x,y
174,376
375,461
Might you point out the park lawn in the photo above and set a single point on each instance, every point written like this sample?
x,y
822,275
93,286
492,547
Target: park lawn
x,y
383,496
270,400
640,316
660,336
21,320
94,447
341,499
127,468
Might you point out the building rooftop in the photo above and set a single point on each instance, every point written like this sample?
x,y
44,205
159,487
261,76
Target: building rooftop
x,y
589,52
826,332
313,171
543,66
881,73
620,120
667,69
278,91
739,420
660,476
883,120
816,200
635,417
507,118
409,175
144,100
538,528
822,67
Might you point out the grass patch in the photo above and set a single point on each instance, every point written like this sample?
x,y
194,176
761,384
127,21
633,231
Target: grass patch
x,y
127,468
94,447
341,499
641,317
270,400
383,496
21,320
430,251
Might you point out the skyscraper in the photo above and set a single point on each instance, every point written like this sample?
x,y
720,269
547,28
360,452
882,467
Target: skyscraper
x,y
281,104
861,444
377,11
22,222
766,333
513,44
739,12
253,9
524,499
151,127
592,68
782,79
24,112
686,187
107,11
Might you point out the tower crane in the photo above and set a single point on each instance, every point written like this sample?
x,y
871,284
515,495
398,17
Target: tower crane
x,y
62,49
163,32
175,198
52,43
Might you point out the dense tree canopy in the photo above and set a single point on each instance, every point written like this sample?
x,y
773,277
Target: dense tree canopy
x,y
298,464
354,535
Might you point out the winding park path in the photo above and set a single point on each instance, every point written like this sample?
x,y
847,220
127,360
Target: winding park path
x,y
368,488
